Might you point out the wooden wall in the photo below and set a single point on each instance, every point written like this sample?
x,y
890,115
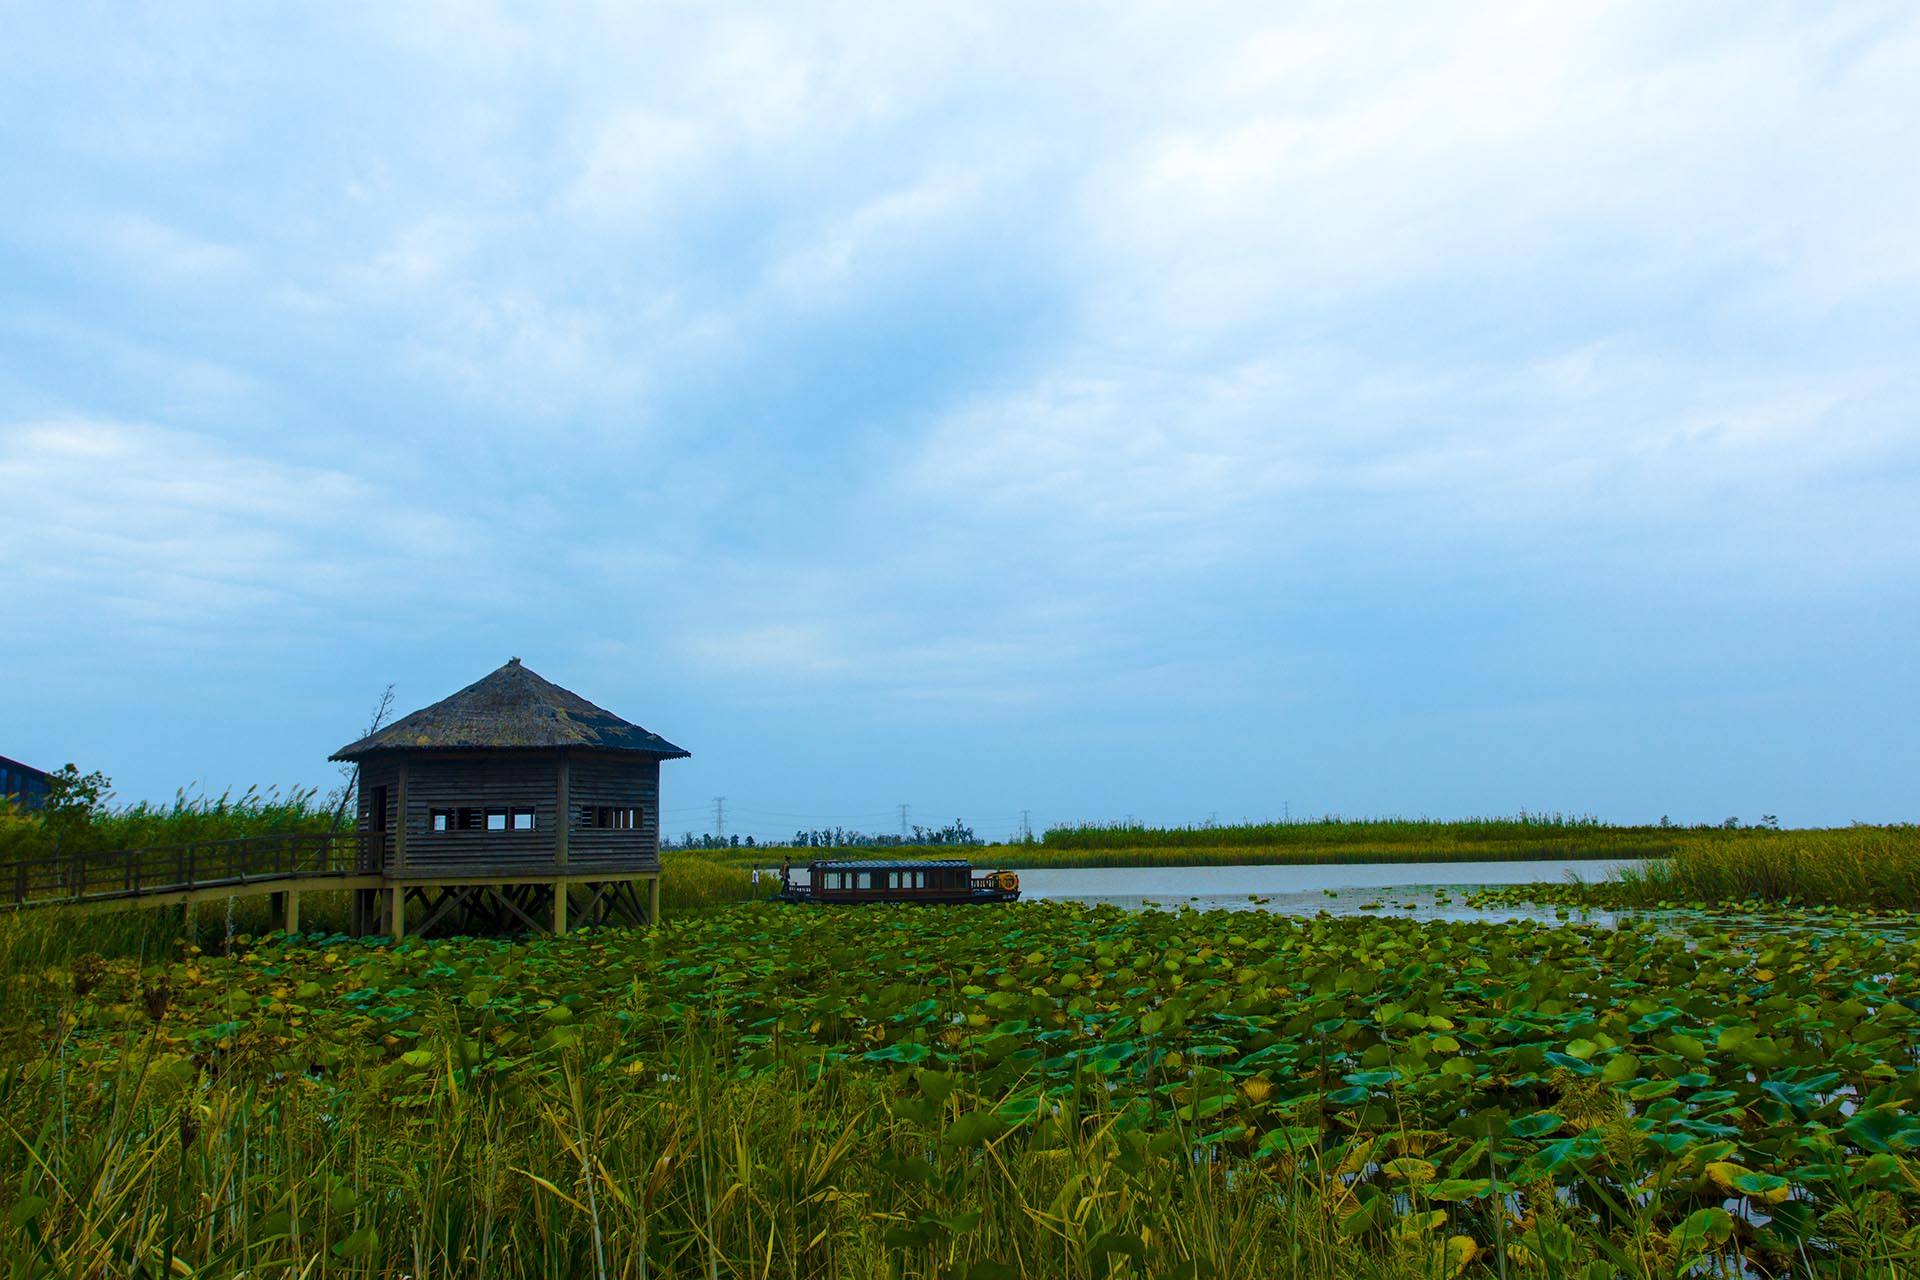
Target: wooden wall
x,y
425,782
374,774
615,781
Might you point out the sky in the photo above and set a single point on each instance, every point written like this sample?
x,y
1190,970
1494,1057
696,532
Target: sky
x,y
1178,411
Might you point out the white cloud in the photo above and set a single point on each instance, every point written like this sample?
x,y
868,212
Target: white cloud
x,y
778,649
163,253
881,233
163,526
636,167
1123,466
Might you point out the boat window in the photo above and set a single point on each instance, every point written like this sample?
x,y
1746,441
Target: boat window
x,y
863,880
919,879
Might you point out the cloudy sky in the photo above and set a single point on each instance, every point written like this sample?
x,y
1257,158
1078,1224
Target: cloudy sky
x,y
1161,410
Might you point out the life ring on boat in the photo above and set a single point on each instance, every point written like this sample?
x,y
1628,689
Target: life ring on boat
x,y
1006,882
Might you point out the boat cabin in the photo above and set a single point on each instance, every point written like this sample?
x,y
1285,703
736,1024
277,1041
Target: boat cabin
x,y
901,880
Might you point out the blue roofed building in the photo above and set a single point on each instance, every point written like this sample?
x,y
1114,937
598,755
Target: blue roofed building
x,y
22,785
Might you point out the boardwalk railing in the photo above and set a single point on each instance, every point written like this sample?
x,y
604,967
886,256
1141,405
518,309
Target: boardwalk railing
x,y
102,876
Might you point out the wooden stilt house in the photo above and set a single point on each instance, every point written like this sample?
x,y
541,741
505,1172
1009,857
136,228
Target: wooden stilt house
x,y
513,803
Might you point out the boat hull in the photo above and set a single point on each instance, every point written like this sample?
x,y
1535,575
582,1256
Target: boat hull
x,y
806,897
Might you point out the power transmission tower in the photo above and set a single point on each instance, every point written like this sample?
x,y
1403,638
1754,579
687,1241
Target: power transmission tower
x,y
1026,826
903,822
720,818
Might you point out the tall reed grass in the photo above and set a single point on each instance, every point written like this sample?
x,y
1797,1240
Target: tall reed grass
x,y
1867,866
191,816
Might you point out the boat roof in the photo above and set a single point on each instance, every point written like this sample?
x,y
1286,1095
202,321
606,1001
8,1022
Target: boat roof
x,y
890,864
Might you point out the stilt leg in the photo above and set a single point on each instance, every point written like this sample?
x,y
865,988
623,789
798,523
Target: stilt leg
x,y
398,898
653,900
290,911
559,906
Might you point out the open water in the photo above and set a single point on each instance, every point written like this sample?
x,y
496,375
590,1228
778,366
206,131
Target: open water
x,y
1414,890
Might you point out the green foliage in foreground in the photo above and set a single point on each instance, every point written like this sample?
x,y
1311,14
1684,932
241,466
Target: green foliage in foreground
x,y
1042,1089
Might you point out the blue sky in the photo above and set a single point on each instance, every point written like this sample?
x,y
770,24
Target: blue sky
x,y
1098,410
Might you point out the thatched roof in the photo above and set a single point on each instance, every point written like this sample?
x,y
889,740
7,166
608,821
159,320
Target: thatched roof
x,y
511,709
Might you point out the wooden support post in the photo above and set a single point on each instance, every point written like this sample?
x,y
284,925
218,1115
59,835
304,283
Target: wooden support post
x,y
559,906
653,900
290,920
397,897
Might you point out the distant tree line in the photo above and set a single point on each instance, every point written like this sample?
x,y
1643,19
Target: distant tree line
x,y
954,833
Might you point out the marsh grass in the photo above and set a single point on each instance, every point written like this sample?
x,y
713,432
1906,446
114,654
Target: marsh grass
x,y
1852,867
622,1104
1869,866
685,1172
190,816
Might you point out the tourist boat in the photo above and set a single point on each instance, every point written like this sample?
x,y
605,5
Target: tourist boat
x,y
901,880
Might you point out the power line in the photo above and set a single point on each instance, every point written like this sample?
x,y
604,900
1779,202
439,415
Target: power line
x,y
818,817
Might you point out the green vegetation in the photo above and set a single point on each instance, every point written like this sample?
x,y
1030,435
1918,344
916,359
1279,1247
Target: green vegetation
x,y
1875,867
1527,829
79,819
1760,855
1848,864
1043,1089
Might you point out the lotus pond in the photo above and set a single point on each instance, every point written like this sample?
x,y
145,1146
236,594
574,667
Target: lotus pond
x,y
1046,1089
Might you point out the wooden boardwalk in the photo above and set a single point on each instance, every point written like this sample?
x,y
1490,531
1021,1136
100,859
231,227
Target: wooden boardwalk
x,y
359,861
201,868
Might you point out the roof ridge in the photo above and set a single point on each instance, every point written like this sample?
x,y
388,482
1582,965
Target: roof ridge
x,y
512,707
